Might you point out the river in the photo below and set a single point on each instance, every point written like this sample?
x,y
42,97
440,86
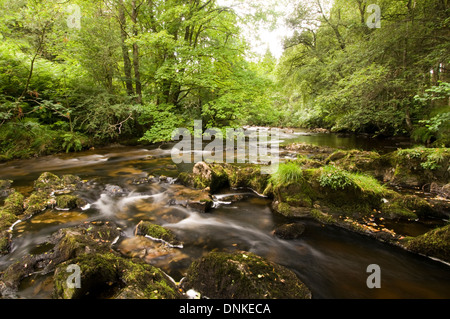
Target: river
x,y
331,261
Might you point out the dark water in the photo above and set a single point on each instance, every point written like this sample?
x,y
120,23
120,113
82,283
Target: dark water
x,y
331,261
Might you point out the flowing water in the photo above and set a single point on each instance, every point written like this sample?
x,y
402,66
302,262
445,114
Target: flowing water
x,y
331,261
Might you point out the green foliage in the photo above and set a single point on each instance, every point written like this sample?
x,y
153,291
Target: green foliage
x,y
339,179
134,69
347,77
73,141
287,173
162,120
335,178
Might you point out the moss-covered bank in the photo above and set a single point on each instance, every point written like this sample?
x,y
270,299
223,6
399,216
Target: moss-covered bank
x,y
435,243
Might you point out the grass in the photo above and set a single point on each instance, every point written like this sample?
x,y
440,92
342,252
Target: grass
x,y
287,173
337,178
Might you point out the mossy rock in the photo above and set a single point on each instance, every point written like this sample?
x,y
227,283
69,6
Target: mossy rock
x,y
14,203
290,231
70,180
350,198
5,187
218,176
243,275
418,166
435,243
99,277
411,207
37,202
5,241
357,161
199,200
6,219
247,176
110,276
69,201
209,175
145,228
67,243
47,182
90,237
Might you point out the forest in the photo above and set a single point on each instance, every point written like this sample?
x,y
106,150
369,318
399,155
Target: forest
x,y
77,74
97,202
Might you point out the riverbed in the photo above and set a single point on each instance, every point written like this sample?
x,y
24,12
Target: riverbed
x,y
331,261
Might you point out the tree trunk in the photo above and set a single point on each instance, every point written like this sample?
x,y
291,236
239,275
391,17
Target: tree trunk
x,y
126,57
137,74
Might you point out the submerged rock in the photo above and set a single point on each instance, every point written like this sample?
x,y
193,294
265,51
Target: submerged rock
x,y
243,275
198,200
146,249
290,231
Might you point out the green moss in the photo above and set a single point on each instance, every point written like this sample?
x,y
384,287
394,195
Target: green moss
x,y
322,217
435,243
417,166
110,276
243,275
36,202
47,182
355,160
4,242
6,219
156,231
397,210
287,173
14,203
67,201
406,207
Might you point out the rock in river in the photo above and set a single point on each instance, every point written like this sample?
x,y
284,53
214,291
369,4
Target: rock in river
x,y
243,275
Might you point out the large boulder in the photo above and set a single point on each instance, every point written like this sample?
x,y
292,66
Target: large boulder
x,y
214,177
195,199
110,276
243,275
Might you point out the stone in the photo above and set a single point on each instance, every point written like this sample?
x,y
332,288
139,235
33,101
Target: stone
x,y
110,276
290,231
243,275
